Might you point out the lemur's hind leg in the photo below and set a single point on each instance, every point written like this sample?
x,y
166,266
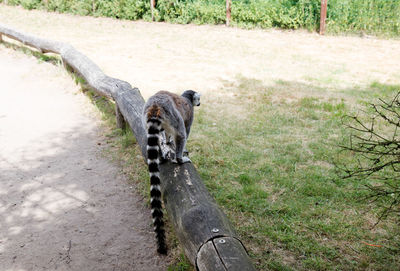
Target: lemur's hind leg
x,y
180,143
185,151
172,145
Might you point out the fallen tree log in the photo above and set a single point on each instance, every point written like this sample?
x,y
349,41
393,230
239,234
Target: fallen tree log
x,y
204,231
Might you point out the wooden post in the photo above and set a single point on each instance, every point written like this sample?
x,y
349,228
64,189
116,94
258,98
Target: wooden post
x,y
152,6
228,12
93,7
324,4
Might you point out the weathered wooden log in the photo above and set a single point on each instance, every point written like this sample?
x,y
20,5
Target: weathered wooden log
x,y
231,255
121,124
207,236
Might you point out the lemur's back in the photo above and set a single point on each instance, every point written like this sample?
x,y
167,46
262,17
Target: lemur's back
x,y
168,105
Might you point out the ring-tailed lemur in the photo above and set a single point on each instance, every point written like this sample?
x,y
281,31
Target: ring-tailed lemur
x,y
166,114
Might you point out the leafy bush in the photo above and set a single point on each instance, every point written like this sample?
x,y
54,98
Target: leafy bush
x,y
58,5
83,7
108,8
371,16
134,9
31,4
375,16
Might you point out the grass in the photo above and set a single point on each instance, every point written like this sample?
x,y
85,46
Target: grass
x,y
55,60
269,164
266,153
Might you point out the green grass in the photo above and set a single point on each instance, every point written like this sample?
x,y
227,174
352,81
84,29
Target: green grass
x,y
269,164
55,60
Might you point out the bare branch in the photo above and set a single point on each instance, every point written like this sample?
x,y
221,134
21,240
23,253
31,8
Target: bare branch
x,y
375,146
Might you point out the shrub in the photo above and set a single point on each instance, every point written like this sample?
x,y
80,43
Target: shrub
x,y
134,9
372,16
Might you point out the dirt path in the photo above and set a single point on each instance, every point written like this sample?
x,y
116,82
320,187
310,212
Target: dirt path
x,y
62,205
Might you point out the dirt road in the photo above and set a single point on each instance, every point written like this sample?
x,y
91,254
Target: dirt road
x,y
63,206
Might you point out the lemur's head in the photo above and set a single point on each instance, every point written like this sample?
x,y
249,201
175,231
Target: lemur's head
x,y
192,96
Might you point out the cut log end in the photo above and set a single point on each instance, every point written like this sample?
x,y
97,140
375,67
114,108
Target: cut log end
x,y
222,254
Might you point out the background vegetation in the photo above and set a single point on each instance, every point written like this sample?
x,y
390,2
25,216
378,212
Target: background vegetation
x,y
369,16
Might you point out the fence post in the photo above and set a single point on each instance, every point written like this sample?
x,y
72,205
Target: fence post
x,y
324,4
93,6
228,12
152,6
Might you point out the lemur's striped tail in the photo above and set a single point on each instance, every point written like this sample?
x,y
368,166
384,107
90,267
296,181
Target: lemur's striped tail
x,y
153,154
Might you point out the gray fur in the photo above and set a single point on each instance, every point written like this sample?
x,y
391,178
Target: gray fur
x,y
167,117
176,116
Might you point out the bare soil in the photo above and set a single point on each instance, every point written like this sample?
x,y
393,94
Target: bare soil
x,y
63,205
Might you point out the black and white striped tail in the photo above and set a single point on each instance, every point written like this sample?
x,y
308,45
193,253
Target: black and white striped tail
x,y
153,149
